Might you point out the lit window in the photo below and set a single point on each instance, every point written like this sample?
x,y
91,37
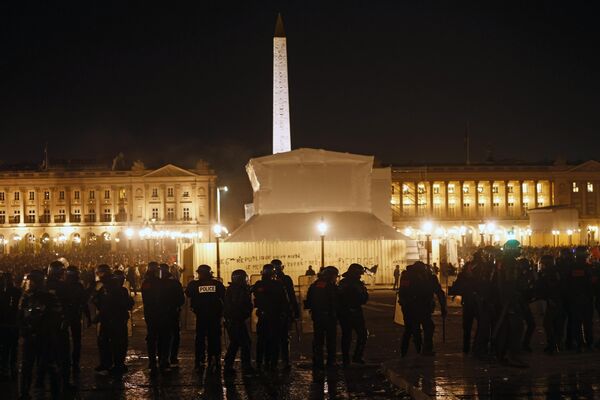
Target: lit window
x,y
451,188
590,187
524,188
538,187
76,195
436,189
155,213
406,201
170,192
186,214
510,188
92,195
495,189
479,189
465,188
46,195
17,196
31,195
170,214
1,196
421,188
436,201
61,195
405,189
107,194
154,192
122,194
451,202
575,187
186,194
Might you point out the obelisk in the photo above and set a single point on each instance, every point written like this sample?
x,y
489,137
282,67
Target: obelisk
x,y
281,102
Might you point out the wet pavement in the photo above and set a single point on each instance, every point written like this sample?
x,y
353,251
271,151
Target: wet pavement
x,y
453,375
357,382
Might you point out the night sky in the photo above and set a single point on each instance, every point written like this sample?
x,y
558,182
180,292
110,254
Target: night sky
x,y
399,80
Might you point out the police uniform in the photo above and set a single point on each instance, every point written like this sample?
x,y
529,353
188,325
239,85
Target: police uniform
x,y
75,300
9,332
41,321
59,289
293,313
322,301
464,286
206,299
352,296
172,300
272,304
237,310
157,320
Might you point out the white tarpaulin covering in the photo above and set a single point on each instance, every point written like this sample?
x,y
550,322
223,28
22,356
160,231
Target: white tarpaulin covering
x,y
306,180
303,227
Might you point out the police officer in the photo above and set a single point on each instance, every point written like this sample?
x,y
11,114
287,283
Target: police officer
x,y
157,322
9,331
76,299
580,298
408,300
510,323
483,270
465,287
352,296
206,296
55,284
114,306
103,276
322,301
172,300
273,307
293,314
550,288
237,310
41,321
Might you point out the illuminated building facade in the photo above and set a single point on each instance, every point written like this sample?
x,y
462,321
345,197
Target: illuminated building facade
x,y
122,209
490,203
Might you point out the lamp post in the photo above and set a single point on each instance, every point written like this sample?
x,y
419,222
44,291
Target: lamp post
x,y
322,227
219,189
217,229
428,228
570,233
481,235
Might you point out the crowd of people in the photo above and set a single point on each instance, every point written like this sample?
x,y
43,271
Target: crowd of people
x,y
496,287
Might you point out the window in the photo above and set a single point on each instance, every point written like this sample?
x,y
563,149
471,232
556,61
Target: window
x,y
122,194
186,194
92,211
31,196
46,195
495,189
451,202
436,189
76,217
479,189
106,217
510,188
170,192
61,195
1,196
92,195
511,203
186,214
575,187
451,188
466,205
496,203
538,187
465,188
76,195
421,188
107,194
405,189
154,192
61,217
2,217
170,214
524,188
590,187
17,196
31,217
155,213
17,216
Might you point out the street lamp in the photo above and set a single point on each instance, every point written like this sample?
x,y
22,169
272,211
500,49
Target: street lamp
x,y
481,234
218,229
555,237
322,228
219,189
570,233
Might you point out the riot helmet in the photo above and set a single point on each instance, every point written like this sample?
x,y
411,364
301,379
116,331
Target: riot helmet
x,y
512,248
33,281
268,271
239,277
204,271
354,270
72,273
56,270
277,264
330,273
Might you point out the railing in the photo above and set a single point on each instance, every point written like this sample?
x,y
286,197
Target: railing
x,y
90,218
75,217
61,218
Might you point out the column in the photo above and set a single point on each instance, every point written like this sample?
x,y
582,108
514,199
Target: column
x,y
461,203
23,199
583,191
520,199
416,205
176,192
446,199
491,199
194,207
68,204
114,195
163,189
535,193
146,202
505,187
477,213
551,194
401,199
430,201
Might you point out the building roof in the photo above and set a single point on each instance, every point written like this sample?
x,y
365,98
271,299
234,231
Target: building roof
x,y
294,227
